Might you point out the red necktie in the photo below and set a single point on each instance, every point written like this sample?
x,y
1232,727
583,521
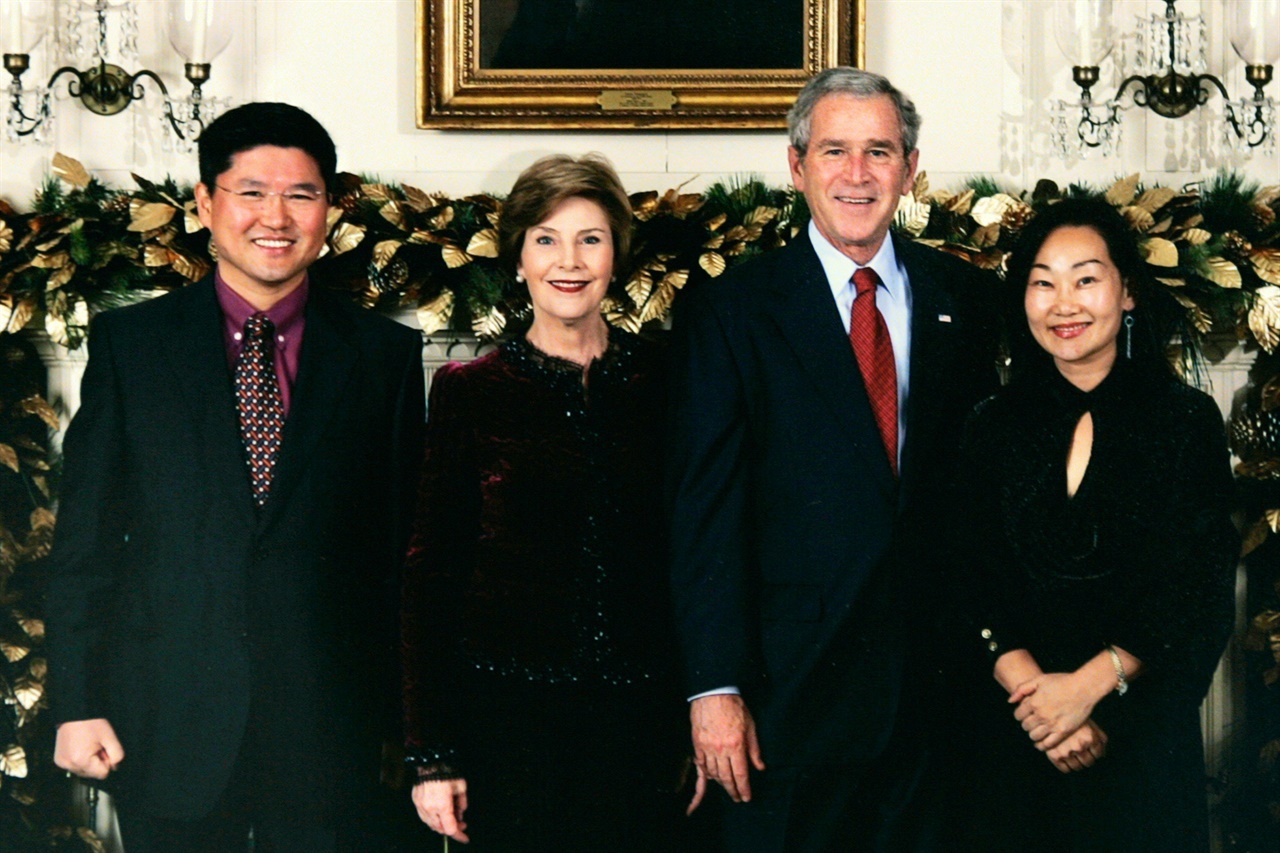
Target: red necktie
x,y
259,403
870,338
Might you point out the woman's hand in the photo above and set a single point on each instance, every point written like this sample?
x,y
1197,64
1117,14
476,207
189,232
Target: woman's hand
x,y
1052,706
441,805
1080,749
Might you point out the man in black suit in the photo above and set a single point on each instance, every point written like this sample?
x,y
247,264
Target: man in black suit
x,y
230,526
800,476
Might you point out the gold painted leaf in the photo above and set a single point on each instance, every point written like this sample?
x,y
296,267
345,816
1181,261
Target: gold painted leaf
x,y
737,232
34,628
1161,227
1155,198
675,278
715,242
27,692
1224,273
346,237
1160,252
713,262
960,204
384,251
484,244
716,221
1199,317
39,668
920,188
1139,219
13,762
190,218
51,261
442,219
377,192
987,235
14,317
644,205
393,213
761,216
189,267
435,315
1172,282
6,237
455,257
617,315
991,209
416,200
1122,191
14,652
494,217
490,324
1196,236
1266,263
70,170
1264,316
913,215
149,215
155,256
640,287
9,458
1273,519
38,406
657,307
60,277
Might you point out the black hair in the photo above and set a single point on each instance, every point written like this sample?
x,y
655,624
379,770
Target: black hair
x,y
264,123
1157,316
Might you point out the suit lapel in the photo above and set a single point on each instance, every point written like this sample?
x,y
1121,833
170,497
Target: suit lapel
x,y
198,355
324,366
806,314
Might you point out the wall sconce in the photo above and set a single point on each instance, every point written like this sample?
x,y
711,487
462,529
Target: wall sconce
x,y
1172,53
105,88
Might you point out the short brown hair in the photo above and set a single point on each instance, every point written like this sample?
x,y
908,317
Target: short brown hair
x,y
542,187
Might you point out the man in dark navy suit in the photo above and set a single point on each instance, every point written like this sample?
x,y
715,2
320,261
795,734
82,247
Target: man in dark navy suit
x,y
230,528
812,433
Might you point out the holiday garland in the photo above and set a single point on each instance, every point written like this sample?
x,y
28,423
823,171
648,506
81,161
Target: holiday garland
x,y
85,247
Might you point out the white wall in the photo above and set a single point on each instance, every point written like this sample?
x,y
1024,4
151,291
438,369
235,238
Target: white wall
x,y
977,69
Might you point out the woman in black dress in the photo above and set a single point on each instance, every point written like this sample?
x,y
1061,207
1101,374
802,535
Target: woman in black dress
x,y
1100,556
542,711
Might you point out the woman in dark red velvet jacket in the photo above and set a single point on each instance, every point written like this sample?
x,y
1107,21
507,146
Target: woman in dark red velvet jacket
x,y
542,712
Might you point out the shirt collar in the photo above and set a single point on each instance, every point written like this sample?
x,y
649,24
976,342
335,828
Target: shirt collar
x,y
285,315
839,267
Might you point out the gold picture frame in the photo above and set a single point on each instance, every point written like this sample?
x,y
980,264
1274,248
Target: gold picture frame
x,y
481,62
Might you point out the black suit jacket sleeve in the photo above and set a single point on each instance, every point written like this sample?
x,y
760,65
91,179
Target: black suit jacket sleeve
x,y
708,486
92,527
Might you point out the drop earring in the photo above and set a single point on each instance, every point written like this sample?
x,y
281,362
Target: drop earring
x,y
1128,335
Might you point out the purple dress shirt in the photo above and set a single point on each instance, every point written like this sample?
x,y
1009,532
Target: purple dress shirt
x,y
289,317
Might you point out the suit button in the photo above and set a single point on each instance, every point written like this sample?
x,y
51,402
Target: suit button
x,y
992,646
986,633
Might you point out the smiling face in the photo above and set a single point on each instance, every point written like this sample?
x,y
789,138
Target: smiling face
x,y
854,171
568,261
1075,301
265,243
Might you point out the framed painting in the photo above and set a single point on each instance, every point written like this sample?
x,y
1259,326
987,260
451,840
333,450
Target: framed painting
x,y
568,64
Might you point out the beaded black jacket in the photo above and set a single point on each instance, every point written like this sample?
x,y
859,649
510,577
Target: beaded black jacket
x,y
538,549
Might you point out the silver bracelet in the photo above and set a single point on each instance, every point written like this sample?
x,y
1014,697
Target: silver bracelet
x,y
1122,682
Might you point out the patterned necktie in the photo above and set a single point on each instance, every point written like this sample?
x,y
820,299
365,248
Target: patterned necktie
x,y
870,338
258,401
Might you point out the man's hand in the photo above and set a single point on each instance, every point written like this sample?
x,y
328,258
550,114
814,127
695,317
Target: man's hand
x,y
88,748
1081,749
724,740
441,805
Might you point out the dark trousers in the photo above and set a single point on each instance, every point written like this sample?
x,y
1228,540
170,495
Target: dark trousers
x,y
257,813
827,808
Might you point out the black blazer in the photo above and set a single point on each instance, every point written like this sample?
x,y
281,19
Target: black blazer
x,y
180,611
792,541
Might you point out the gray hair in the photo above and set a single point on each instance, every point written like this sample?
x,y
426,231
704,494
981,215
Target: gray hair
x,y
843,80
